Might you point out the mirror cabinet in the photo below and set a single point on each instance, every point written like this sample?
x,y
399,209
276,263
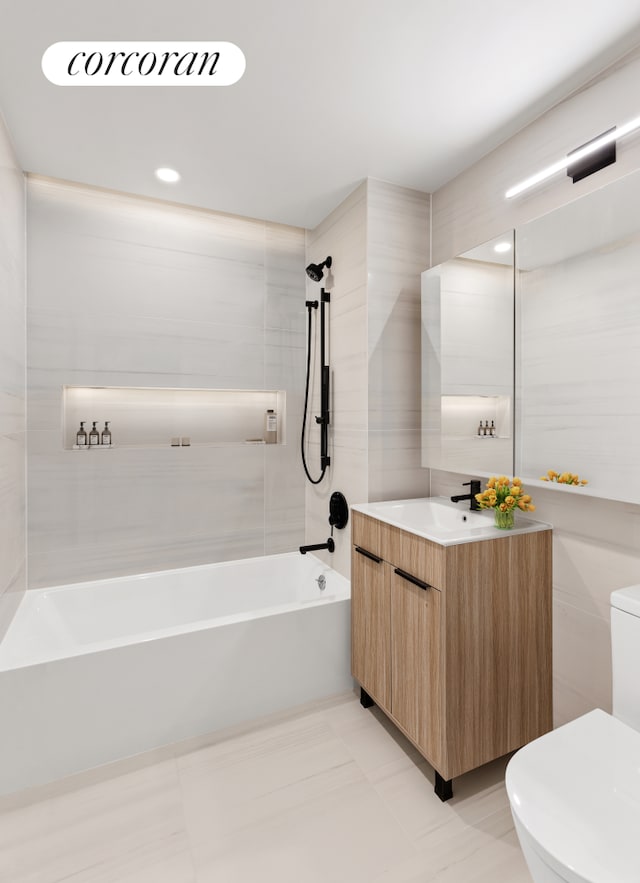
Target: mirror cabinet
x,y
548,349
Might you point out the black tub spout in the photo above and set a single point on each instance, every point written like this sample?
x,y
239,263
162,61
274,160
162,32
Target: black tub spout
x,y
329,545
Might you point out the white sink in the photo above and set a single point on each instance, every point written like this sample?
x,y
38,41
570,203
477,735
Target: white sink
x,y
441,521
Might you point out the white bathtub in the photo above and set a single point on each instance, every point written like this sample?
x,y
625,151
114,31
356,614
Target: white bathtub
x,y
94,672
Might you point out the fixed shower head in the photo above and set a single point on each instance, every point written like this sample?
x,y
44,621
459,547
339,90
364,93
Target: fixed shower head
x,y
314,271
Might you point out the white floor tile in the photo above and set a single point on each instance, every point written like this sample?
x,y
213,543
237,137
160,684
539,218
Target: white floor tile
x,y
331,795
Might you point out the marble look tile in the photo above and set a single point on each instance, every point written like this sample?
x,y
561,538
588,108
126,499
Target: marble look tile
x,y
119,830
395,465
11,596
582,653
285,278
322,795
12,509
129,256
143,511
231,356
12,381
398,226
351,820
285,363
132,292
233,787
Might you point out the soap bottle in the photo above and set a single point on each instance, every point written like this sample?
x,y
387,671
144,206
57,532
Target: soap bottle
x,y
492,431
487,431
81,436
94,435
480,429
270,427
105,438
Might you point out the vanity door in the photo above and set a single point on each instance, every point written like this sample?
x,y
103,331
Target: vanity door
x,y
370,625
416,687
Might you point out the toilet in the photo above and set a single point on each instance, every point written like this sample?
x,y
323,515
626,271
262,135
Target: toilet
x,y
575,792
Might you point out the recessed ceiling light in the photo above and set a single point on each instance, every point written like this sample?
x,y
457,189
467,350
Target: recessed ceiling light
x,y
169,176
501,247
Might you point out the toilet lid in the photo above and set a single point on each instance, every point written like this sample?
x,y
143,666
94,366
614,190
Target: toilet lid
x,y
576,790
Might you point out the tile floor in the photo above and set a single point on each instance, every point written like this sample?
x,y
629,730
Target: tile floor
x,y
329,795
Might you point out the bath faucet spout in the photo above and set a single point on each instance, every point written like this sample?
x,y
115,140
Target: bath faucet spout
x,y
329,545
474,488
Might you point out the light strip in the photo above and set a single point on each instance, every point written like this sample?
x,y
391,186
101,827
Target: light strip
x,y
576,156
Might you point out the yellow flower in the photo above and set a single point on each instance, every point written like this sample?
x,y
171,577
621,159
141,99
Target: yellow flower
x,y
552,475
492,482
509,501
531,507
516,482
516,490
522,505
503,507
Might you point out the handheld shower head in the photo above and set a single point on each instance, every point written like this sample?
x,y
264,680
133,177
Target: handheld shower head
x,y
315,271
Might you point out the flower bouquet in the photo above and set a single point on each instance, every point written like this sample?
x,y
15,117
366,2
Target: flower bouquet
x,y
564,478
504,495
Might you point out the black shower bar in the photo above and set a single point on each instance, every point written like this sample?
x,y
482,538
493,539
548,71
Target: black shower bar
x,y
324,418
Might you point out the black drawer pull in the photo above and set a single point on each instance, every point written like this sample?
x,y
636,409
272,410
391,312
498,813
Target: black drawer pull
x,y
412,579
369,555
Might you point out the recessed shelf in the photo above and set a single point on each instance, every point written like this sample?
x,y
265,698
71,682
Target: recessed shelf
x,y
153,416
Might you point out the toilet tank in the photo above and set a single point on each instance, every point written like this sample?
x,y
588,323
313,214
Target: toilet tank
x,y
625,655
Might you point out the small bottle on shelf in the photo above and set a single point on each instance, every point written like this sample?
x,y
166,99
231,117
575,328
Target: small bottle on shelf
x,y
105,438
81,436
271,427
480,429
487,431
94,435
492,430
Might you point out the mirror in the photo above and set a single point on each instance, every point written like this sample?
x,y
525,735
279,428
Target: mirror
x,y
578,341
467,361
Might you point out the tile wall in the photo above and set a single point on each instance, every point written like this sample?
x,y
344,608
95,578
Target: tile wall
x,y
12,381
379,241
596,542
132,292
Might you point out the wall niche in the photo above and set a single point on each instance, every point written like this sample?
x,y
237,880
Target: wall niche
x,y
156,417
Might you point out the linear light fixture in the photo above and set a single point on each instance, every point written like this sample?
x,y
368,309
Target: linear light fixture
x,y
574,157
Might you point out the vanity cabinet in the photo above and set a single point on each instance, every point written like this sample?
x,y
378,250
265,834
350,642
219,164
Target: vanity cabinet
x,y
453,642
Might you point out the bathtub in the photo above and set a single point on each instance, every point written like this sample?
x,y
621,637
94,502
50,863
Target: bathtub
x,y
94,672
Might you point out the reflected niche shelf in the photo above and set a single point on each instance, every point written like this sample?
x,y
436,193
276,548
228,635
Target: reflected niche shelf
x,y
460,416
154,417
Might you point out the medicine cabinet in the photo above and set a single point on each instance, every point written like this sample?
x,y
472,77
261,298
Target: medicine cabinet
x,y
467,361
575,364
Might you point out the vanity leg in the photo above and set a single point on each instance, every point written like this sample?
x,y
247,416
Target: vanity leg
x,y
365,700
443,787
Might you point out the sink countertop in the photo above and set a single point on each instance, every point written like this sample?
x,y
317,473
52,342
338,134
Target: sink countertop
x,y
446,523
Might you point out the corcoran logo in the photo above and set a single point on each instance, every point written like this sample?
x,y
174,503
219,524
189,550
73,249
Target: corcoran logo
x,y
143,64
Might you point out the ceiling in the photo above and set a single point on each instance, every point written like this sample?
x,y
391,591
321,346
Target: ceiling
x,y
411,91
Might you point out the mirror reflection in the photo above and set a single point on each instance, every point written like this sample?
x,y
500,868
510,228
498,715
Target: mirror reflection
x,y
467,361
578,341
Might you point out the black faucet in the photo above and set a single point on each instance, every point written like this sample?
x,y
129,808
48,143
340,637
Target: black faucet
x,y
474,486
330,545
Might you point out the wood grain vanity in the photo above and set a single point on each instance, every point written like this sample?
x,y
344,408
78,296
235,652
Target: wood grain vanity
x,y
453,641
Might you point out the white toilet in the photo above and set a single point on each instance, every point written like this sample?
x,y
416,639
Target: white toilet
x,y
575,792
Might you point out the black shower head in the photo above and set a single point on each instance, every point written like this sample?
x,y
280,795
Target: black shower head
x,y
314,271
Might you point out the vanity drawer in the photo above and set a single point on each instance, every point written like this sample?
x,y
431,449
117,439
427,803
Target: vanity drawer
x,y
365,532
415,555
